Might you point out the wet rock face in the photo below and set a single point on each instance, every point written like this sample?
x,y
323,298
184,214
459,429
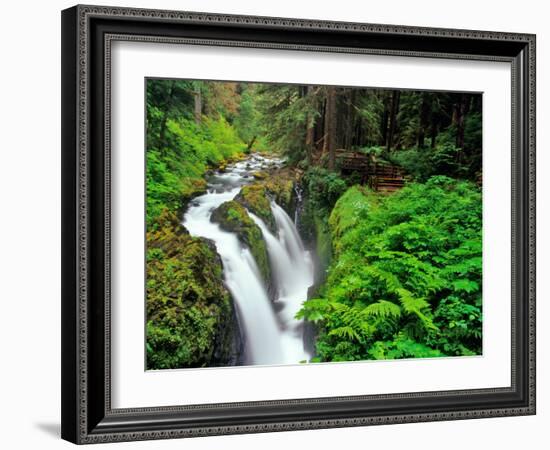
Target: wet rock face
x,y
280,186
233,217
229,342
187,303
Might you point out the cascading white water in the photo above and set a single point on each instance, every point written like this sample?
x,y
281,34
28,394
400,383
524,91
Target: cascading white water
x,y
293,272
241,277
271,337
289,235
297,210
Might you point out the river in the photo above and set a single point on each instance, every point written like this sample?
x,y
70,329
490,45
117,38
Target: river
x,y
272,335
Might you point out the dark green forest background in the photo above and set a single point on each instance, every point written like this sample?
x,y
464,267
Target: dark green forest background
x,y
399,273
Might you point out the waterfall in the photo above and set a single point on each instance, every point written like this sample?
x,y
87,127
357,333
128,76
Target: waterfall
x,y
279,259
272,334
242,278
289,234
298,192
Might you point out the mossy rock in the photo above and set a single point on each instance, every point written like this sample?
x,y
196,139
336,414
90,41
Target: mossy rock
x,y
278,185
281,189
233,217
260,175
254,197
191,188
191,318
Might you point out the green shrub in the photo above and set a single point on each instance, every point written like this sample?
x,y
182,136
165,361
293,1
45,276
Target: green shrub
x,y
324,187
405,278
175,172
423,163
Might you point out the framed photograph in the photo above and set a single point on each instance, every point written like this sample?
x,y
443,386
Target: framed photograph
x,y
280,224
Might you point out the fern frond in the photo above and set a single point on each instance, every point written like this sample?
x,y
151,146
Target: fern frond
x,y
346,332
392,282
411,304
368,329
427,322
465,285
339,307
416,306
383,309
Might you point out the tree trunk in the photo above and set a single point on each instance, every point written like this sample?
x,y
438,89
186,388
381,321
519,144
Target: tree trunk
x,y
319,129
331,127
385,119
341,114
434,131
461,111
310,131
476,103
167,106
251,143
325,127
198,105
393,118
424,119
350,119
460,122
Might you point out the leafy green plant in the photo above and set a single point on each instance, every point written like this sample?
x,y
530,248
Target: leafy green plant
x,y
175,172
423,163
405,279
324,187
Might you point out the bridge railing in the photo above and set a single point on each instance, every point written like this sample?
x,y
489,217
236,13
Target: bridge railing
x,y
373,172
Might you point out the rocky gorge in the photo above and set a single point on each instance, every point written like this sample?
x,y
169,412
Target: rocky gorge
x,y
239,269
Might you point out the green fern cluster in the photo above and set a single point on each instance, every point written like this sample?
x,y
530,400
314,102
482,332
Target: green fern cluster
x,y
405,278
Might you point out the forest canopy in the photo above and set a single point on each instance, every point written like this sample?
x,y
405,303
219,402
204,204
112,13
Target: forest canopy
x,y
192,125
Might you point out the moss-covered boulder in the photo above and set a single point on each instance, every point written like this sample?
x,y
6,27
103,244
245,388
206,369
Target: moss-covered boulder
x,y
260,175
191,318
254,197
280,187
277,185
232,216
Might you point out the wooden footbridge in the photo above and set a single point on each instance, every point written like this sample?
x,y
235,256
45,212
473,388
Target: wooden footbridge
x,y
378,175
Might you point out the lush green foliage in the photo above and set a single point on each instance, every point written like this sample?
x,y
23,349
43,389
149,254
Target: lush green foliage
x,y
191,126
284,114
249,122
405,279
190,316
422,163
324,187
176,172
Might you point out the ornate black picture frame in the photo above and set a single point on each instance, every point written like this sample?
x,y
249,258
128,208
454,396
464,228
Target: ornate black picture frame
x,y
87,34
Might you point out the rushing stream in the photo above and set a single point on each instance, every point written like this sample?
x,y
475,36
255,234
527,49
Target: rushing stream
x,y
272,334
